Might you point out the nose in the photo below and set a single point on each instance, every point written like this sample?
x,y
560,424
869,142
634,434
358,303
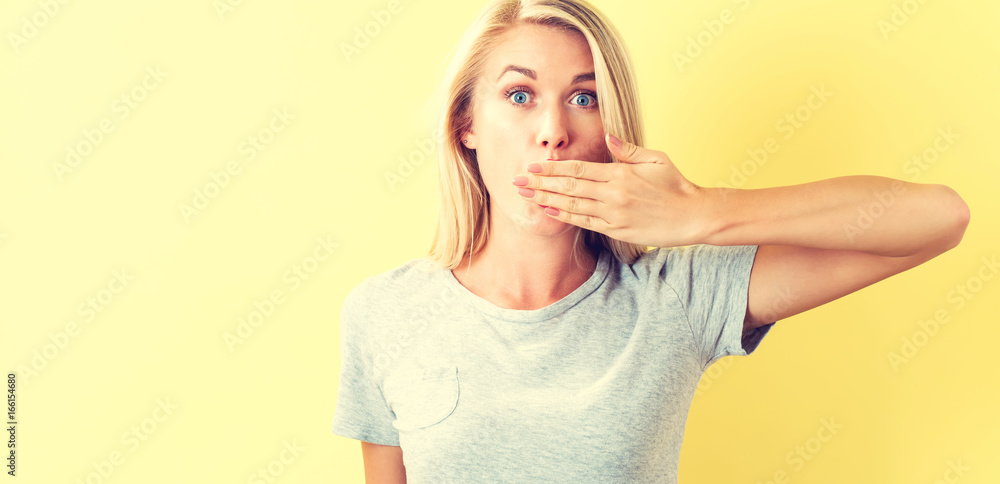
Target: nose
x,y
552,133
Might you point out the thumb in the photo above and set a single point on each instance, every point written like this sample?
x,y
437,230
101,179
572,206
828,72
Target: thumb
x,y
628,152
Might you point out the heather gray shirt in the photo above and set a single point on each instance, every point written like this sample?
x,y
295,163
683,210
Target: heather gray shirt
x,y
592,388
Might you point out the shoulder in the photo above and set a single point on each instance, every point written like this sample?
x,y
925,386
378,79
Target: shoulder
x,y
383,301
383,307
393,283
681,264
662,256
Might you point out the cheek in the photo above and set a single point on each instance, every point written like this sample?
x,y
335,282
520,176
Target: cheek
x,y
497,176
501,129
498,152
594,148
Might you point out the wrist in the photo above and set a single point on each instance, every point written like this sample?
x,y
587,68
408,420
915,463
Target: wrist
x,y
716,212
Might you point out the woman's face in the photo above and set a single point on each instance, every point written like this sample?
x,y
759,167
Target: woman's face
x,y
536,100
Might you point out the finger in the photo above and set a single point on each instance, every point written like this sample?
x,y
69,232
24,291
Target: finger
x,y
586,170
566,185
577,205
629,153
588,222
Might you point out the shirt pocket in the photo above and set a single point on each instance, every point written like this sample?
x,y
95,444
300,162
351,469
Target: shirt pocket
x,y
422,397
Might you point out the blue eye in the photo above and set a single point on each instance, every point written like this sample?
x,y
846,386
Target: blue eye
x,y
519,97
584,100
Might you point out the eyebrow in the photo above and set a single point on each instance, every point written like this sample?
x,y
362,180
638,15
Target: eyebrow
x,y
534,76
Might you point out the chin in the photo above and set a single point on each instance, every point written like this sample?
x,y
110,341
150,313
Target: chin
x,y
532,217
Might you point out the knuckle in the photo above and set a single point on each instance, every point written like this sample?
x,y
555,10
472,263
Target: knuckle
x,y
577,168
570,185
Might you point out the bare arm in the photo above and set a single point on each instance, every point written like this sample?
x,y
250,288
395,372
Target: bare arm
x,y
817,241
383,464
820,241
877,215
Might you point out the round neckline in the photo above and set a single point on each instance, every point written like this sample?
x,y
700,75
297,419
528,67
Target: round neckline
x,y
532,315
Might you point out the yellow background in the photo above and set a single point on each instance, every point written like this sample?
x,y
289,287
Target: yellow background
x,y
62,236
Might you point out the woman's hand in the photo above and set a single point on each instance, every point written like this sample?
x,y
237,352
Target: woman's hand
x,y
643,200
853,231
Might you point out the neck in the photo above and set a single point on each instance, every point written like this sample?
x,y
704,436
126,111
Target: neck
x,y
518,269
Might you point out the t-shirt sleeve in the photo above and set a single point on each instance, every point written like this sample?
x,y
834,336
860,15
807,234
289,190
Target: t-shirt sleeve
x,y
712,283
361,412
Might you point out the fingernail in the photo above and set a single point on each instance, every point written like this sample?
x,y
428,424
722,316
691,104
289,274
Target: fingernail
x,y
614,140
526,192
535,168
520,180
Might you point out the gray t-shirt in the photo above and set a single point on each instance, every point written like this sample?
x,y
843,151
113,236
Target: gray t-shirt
x,y
595,387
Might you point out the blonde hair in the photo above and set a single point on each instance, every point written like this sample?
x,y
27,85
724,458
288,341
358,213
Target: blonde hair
x,y
463,224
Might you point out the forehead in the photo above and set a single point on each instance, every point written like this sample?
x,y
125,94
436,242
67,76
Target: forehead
x,y
551,52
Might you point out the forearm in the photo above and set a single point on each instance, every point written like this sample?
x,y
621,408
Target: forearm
x,y
871,214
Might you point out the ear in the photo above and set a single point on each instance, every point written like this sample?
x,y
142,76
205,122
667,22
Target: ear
x,y
468,140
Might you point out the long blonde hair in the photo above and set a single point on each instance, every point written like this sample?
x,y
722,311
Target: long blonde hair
x,y
463,224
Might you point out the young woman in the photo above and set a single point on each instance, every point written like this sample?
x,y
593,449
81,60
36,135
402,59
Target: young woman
x,y
542,340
